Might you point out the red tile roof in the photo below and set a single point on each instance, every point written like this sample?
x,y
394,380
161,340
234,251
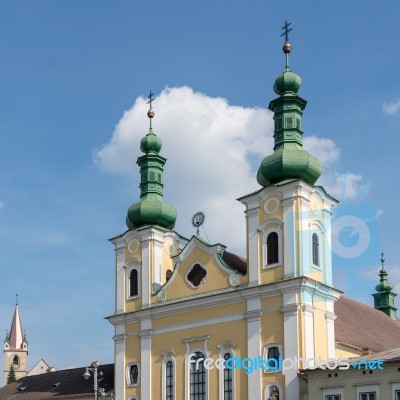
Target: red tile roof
x,y
362,326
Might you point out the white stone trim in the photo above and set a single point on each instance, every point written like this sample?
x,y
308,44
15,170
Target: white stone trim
x,y
145,358
128,281
395,388
226,347
146,268
119,351
120,277
334,391
190,270
157,279
309,351
253,316
189,353
270,226
265,354
127,370
253,259
367,389
168,355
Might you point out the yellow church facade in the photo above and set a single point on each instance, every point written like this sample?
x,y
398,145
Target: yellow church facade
x,y
194,321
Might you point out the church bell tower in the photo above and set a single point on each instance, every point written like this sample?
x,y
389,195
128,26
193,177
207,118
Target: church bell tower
x,y
15,348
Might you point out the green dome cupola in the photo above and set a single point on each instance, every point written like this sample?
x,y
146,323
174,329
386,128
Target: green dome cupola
x,y
384,298
151,210
289,160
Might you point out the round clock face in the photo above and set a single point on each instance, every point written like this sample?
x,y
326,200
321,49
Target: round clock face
x,y
198,219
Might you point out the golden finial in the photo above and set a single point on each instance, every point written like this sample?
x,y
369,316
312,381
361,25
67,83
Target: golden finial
x,y
151,112
287,47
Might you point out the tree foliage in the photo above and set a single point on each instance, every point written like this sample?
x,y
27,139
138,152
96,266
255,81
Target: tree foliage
x,y
11,375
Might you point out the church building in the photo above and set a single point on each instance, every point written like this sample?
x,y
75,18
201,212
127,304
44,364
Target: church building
x,y
183,305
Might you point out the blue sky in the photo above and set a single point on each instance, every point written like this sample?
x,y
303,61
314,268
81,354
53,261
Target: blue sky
x,y
73,75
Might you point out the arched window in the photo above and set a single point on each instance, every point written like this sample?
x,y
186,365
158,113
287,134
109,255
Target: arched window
x,y
16,361
133,283
197,378
228,380
315,249
169,380
273,352
272,248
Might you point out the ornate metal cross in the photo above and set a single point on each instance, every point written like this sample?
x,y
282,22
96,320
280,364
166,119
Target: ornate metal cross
x,y
151,99
286,32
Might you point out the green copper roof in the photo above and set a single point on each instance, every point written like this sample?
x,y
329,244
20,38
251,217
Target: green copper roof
x,y
289,160
151,210
384,298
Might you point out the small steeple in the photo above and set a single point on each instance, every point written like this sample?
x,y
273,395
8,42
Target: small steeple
x,y
16,337
289,161
384,298
151,210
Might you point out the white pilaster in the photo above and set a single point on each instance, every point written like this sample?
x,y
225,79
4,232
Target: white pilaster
x,y
145,272
145,359
120,276
308,312
290,237
330,329
253,256
157,265
119,374
253,316
291,346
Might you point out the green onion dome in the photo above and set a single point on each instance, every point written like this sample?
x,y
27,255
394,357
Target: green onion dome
x,y
150,143
287,164
287,83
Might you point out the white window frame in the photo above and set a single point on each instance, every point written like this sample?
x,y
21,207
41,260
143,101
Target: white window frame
x,y
226,347
187,370
190,269
318,228
395,390
128,282
368,389
128,378
268,387
337,391
168,355
270,226
265,354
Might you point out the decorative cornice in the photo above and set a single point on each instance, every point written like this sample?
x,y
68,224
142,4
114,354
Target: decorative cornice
x,y
330,315
308,308
254,314
145,333
120,338
290,308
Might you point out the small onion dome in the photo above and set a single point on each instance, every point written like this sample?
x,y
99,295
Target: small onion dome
x,y
287,82
384,286
289,164
150,143
151,211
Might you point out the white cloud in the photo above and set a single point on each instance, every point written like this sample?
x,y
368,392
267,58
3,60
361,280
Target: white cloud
x,y
345,186
325,149
213,151
372,273
391,108
2,204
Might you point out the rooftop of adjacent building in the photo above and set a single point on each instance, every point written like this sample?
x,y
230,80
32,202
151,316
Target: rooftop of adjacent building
x,y
63,384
